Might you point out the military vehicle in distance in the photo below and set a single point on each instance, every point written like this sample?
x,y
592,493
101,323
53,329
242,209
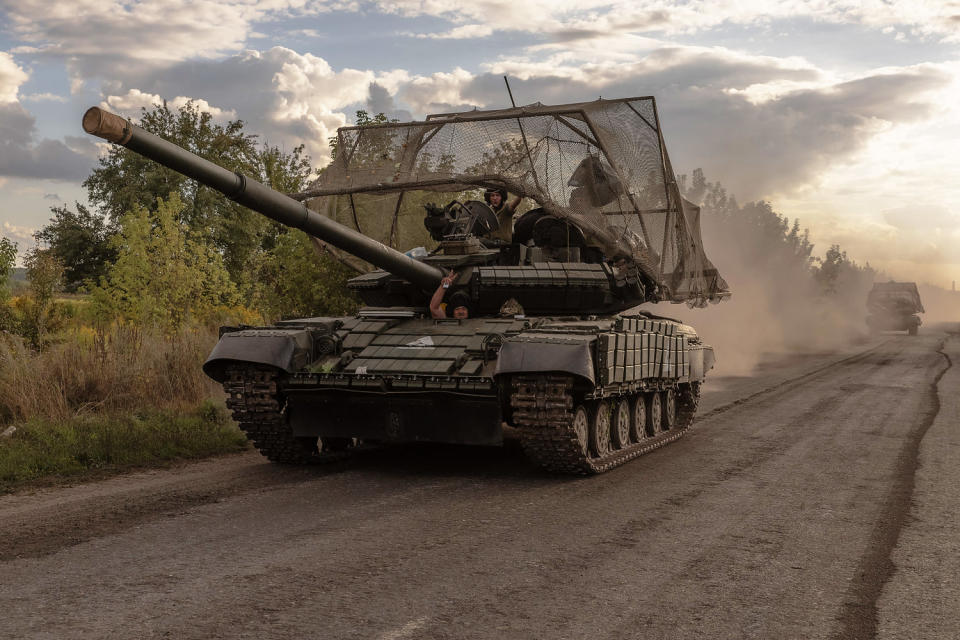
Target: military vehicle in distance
x,y
893,306
552,344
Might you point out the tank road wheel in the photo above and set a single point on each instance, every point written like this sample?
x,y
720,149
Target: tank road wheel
x,y
669,404
654,414
622,424
600,430
638,426
581,427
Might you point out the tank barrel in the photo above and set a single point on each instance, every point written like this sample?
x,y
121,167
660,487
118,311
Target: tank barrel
x,y
262,199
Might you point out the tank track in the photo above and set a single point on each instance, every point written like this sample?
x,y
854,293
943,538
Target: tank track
x,y
258,407
543,410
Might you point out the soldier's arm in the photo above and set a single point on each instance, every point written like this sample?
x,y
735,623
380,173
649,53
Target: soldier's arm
x,y
436,311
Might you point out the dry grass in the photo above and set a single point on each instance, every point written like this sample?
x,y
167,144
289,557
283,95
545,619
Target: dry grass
x,y
117,370
108,400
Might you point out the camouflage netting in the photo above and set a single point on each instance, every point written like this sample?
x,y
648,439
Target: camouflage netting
x,y
601,165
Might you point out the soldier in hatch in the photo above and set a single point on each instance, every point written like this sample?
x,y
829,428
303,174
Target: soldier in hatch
x,y
459,301
497,199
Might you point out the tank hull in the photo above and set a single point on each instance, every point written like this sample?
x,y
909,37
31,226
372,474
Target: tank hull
x,y
320,386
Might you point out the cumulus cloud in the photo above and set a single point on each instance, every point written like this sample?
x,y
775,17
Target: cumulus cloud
x,y
284,96
134,100
759,124
928,218
379,100
21,155
925,236
22,235
569,20
102,37
11,77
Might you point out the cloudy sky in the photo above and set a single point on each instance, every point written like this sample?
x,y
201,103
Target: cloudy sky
x,y
845,114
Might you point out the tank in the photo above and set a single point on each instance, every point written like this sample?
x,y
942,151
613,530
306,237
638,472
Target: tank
x,y
553,349
893,306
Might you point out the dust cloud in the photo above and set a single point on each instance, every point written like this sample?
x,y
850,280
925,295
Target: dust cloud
x,y
942,306
783,303
778,304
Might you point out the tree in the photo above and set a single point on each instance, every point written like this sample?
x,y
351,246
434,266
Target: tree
x,y
828,271
363,118
8,257
38,309
293,281
126,181
164,274
80,241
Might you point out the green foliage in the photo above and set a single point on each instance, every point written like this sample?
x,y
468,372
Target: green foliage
x,y
164,273
80,240
38,312
126,181
294,281
87,443
8,257
362,119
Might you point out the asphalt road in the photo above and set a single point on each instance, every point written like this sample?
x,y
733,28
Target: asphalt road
x,y
816,499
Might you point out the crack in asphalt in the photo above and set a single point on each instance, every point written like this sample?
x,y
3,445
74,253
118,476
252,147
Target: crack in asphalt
x,y
859,618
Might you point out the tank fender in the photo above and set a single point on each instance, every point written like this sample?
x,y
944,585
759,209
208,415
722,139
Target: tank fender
x,y
520,355
286,349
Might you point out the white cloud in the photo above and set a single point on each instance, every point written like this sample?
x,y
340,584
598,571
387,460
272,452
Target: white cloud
x,y
98,37
286,97
150,30
43,97
438,91
785,121
461,33
11,77
22,235
133,100
587,19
